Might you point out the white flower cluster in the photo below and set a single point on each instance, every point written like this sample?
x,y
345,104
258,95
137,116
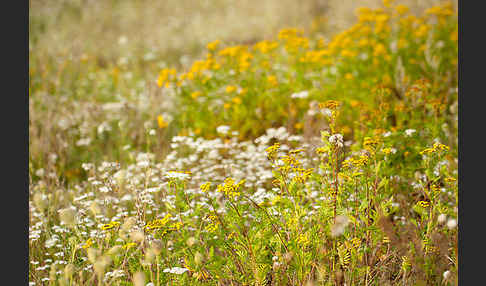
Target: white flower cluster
x,y
337,140
302,94
176,270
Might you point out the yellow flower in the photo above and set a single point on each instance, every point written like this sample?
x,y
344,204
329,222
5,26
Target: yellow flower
x,y
88,243
161,122
265,46
402,43
421,31
330,104
164,76
272,80
363,42
348,54
196,94
236,100
110,225
441,147
387,3
450,180
272,151
303,240
348,76
387,150
370,143
205,187
129,245
423,204
213,225
454,35
321,150
158,223
386,239
356,242
213,45
379,49
229,188
230,88
176,226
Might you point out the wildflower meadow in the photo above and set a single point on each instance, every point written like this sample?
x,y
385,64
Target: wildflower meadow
x,y
297,158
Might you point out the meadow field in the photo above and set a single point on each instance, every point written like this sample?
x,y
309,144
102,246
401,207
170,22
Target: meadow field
x,y
226,142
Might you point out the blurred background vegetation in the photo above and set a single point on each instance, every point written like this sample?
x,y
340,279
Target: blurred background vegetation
x,y
149,34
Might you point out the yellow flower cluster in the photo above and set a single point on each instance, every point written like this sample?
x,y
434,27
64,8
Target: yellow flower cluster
x,y
266,47
436,148
423,204
358,161
330,104
205,187
317,57
129,245
158,223
293,39
272,151
213,225
88,243
110,225
303,240
444,10
240,54
302,175
165,76
229,188
371,143
213,45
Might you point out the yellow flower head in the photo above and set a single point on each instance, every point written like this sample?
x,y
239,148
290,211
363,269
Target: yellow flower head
x,y
230,89
330,104
88,243
272,151
158,223
161,122
205,187
423,204
110,225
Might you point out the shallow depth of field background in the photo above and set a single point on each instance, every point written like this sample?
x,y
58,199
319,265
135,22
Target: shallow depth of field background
x,y
164,31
